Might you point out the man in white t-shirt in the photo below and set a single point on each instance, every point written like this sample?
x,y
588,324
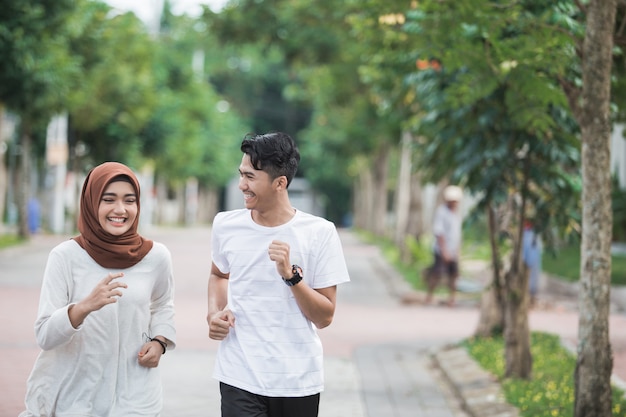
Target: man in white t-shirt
x,y
447,225
273,282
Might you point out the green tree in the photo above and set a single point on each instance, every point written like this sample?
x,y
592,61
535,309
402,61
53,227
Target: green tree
x,y
494,113
259,59
36,70
560,48
114,96
193,133
323,77
385,55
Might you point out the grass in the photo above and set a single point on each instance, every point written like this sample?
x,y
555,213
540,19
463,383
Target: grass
x,y
566,264
475,246
421,256
9,240
550,391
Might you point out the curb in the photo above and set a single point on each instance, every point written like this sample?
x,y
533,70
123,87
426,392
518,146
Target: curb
x,y
479,391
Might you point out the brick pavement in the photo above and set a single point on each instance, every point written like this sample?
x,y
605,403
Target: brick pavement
x,y
378,351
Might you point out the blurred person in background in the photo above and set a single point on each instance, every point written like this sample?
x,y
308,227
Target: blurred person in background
x,y
531,254
447,225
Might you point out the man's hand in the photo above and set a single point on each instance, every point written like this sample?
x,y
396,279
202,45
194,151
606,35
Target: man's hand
x,y
220,324
279,253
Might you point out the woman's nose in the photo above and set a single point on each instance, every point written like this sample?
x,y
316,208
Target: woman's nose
x,y
119,207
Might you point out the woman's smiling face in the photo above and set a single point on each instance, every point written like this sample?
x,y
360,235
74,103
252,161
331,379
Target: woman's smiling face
x,y
118,208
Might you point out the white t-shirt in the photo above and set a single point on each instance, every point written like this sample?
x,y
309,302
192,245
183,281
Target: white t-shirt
x,y
93,371
273,349
448,223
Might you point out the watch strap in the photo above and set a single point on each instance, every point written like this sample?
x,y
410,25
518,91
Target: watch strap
x,y
296,276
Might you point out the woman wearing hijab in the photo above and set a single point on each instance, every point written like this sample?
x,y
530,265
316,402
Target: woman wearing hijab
x,y
106,310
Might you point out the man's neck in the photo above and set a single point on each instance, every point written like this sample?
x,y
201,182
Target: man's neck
x,y
275,217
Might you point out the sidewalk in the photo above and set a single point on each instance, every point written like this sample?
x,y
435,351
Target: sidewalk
x,y
382,357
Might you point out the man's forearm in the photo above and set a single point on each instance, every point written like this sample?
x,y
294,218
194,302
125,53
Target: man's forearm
x,y
217,294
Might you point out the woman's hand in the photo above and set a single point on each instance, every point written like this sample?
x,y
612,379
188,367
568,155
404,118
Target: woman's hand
x,y
150,354
105,292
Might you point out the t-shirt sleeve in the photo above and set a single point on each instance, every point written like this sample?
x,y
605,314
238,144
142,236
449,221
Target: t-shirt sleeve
x,y
217,255
331,268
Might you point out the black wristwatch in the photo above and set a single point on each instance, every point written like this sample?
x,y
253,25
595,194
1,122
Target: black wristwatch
x,y
295,277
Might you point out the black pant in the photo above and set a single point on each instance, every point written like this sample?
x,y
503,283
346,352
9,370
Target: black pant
x,y
239,403
438,269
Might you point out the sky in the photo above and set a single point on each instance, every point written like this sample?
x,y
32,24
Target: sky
x,y
147,10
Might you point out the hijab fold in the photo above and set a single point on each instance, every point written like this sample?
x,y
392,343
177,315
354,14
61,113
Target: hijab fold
x,y
109,251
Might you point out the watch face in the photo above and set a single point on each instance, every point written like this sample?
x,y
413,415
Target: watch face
x,y
296,271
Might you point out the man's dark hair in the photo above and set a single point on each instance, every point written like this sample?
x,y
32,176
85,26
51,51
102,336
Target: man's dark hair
x,y
275,153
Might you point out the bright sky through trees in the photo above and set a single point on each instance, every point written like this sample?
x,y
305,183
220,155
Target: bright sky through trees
x,y
148,10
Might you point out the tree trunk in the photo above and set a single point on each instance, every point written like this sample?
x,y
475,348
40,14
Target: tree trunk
x,y
22,188
363,196
380,199
403,192
415,227
594,360
4,176
191,201
491,321
415,222
518,360
208,204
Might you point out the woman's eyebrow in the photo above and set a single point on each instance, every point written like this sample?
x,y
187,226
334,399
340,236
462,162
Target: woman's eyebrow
x,y
114,194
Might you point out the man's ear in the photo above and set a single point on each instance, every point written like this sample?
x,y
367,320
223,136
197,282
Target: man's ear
x,y
281,182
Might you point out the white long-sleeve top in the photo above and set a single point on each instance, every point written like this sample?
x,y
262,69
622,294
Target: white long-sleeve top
x,y
94,370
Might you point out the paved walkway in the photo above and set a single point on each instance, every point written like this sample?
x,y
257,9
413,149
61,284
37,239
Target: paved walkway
x,y
378,351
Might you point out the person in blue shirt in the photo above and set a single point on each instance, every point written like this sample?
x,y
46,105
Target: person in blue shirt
x,y
531,254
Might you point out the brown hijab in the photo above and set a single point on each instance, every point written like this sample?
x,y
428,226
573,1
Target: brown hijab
x,y
109,251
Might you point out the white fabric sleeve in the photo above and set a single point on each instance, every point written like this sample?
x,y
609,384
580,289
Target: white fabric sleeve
x,y
439,228
162,300
216,254
53,327
331,268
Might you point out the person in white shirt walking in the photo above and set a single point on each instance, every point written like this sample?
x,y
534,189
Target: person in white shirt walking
x,y
447,225
106,310
273,282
